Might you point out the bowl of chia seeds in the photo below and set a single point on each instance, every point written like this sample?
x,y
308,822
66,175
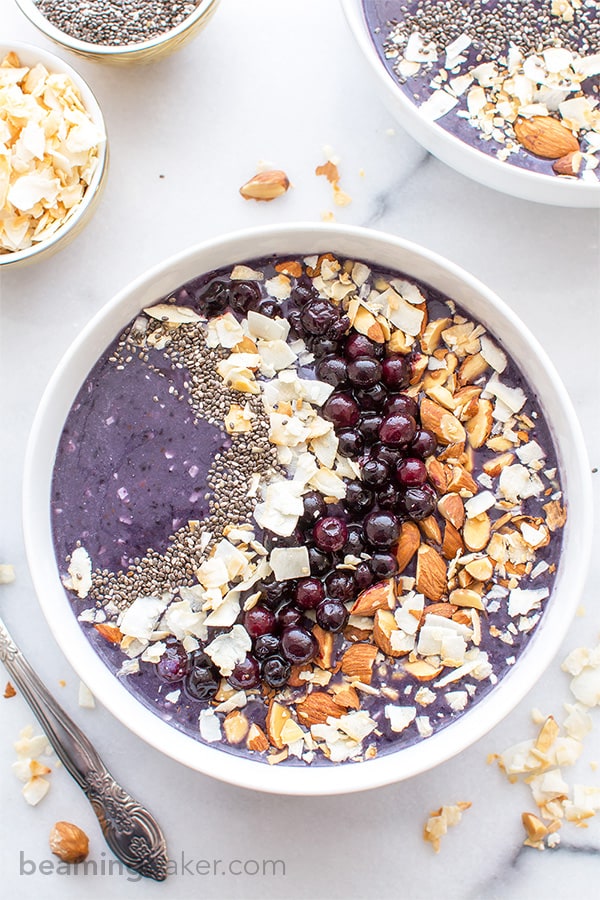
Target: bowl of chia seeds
x,y
505,92
55,153
120,31
308,508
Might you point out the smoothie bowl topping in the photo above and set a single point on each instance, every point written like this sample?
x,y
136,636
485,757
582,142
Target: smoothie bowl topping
x,y
50,148
516,80
307,509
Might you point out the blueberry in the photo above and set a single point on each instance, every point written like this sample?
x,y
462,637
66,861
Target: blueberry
x,y
275,671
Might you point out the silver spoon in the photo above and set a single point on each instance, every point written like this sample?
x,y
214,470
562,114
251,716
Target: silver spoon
x,y
130,831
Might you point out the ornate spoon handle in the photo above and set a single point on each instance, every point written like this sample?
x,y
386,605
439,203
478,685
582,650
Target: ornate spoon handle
x,y
130,831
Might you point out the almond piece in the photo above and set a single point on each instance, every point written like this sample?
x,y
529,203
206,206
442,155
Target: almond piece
x,y
315,709
452,453
236,727
324,639
462,617
366,323
460,480
69,842
453,542
436,471
431,530
294,680
399,343
476,532
422,670
482,569
257,739
466,597
265,185
569,164
446,610
277,716
534,827
346,696
408,544
432,334
9,691
110,633
384,625
353,634
493,467
418,365
445,426
479,427
556,515
379,596
291,267
431,573
452,509
357,662
471,368
546,137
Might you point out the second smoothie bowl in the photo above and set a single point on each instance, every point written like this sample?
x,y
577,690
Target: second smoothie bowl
x,y
317,518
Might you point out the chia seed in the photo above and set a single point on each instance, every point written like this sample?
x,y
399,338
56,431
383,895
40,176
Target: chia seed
x,y
115,22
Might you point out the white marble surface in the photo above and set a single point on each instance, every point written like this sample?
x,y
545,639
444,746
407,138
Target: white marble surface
x,y
279,80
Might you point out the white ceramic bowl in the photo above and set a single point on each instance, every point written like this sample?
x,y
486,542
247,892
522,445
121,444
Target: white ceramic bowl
x,y
142,52
29,56
289,240
503,176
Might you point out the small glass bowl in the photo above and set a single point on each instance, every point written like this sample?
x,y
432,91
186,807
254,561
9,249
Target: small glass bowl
x,y
29,56
141,52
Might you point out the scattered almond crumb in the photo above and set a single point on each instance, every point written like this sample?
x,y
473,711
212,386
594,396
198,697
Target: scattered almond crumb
x,y
9,691
328,216
440,821
539,762
331,172
86,698
62,683
7,573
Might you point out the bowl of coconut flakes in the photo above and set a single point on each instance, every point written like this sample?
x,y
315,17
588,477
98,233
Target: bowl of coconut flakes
x,y
53,153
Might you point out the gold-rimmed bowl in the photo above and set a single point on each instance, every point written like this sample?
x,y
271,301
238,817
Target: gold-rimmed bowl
x,y
82,212
125,54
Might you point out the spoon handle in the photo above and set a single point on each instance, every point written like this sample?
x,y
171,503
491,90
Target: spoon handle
x,y
130,831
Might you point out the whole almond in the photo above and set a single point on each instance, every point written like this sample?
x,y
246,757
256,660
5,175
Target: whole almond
x,y
265,185
69,842
546,137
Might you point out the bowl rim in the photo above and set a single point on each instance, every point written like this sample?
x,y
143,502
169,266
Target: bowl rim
x,y
26,52
454,151
245,772
29,9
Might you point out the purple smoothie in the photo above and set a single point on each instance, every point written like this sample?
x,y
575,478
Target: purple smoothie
x,y
143,463
384,18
